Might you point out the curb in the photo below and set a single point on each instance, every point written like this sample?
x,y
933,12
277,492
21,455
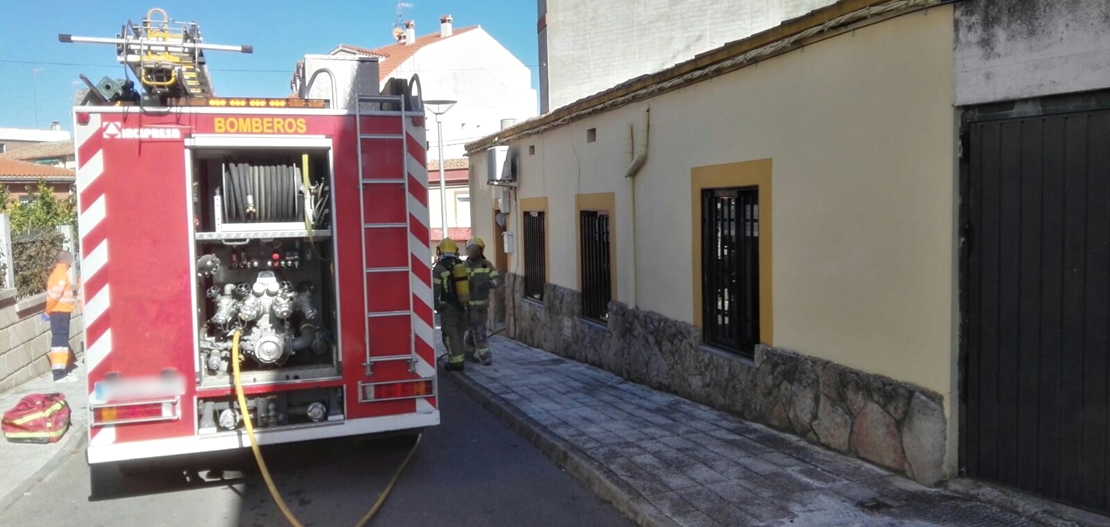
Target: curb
x,y
75,438
599,479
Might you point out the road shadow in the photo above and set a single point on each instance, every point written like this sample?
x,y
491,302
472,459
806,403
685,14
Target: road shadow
x,y
237,470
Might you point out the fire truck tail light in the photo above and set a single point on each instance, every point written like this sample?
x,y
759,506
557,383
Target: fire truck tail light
x,y
135,413
82,118
397,390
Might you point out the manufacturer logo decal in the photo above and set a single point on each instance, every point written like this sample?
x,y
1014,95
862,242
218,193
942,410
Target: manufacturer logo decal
x,y
115,131
111,130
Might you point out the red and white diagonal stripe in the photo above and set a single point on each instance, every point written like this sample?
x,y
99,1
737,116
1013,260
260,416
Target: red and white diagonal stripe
x,y
421,275
95,253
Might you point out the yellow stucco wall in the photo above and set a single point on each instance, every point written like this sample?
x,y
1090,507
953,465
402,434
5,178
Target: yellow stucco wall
x,y
861,134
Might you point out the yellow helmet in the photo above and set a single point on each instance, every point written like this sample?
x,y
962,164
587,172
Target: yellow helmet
x,y
476,241
448,246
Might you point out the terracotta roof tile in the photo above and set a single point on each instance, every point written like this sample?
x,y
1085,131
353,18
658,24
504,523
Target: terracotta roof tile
x,y
16,169
40,151
397,54
459,234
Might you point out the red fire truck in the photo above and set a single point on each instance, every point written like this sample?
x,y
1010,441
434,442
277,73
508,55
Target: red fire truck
x,y
295,229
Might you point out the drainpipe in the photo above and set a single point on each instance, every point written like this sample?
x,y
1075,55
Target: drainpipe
x,y
638,132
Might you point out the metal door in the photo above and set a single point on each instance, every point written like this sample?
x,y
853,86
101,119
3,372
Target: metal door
x,y
1037,311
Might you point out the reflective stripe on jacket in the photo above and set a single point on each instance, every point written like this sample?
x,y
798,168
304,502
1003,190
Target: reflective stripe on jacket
x,y
59,291
483,278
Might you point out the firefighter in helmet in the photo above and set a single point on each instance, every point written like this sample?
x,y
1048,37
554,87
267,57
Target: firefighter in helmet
x,y
451,285
483,279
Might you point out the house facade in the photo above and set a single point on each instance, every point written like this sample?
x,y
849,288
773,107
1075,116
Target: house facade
x,y
21,176
457,178
55,153
466,65
661,235
880,226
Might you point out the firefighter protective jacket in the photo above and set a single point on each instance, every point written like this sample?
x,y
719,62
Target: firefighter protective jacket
x,y
483,279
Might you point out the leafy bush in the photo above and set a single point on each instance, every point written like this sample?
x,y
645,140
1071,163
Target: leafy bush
x,y
35,241
33,258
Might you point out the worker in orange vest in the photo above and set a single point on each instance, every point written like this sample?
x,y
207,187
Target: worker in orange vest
x,y
61,295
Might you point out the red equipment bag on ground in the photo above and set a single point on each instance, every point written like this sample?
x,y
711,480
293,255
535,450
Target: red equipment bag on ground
x,y
37,418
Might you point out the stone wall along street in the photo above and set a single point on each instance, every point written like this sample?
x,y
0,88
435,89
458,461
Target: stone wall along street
x,y
25,338
895,425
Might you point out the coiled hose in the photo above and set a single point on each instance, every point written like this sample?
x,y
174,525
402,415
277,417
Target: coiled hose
x,y
272,191
262,462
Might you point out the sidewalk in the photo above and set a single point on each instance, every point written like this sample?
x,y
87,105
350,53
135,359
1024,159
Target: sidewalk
x,y
27,464
664,460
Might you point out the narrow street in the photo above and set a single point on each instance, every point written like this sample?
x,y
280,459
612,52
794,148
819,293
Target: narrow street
x,y
469,471
753,263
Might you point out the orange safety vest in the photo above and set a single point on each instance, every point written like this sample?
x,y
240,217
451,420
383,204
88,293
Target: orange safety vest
x,y
59,292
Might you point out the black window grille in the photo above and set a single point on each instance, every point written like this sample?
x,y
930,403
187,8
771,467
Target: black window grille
x,y
730,268
596,277
535,257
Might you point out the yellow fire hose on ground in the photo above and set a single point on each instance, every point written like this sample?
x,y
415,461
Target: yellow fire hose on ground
x,y
262,463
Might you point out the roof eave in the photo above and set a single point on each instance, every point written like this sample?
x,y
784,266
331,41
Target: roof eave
x,y
18,178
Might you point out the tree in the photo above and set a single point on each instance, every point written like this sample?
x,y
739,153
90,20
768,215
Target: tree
x,y
5,198
42,210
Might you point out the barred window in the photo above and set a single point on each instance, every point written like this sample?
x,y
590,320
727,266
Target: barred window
x,y
535,254
595,265
730,268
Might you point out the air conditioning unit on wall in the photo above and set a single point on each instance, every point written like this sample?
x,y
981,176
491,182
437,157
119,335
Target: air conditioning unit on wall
x,y
500,168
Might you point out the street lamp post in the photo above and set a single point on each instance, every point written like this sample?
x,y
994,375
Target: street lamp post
x,y
439,108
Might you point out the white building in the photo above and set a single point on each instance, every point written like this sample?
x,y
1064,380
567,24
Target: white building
x,y
466,65
589,45
14,137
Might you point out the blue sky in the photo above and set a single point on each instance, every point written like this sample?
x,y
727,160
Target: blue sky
x,y
38,74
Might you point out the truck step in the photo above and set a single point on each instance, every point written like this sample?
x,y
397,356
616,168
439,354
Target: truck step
x,y
380,314
386,269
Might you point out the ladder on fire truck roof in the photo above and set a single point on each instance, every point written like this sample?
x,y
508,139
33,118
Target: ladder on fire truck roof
x,y
372,182
166,56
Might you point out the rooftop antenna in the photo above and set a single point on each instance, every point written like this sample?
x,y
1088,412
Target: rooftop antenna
x,y
399,22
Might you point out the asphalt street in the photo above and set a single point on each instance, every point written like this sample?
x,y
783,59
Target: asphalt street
x,y
471,470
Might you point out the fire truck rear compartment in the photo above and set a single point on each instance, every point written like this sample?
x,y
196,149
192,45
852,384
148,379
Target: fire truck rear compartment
x,y
264,254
